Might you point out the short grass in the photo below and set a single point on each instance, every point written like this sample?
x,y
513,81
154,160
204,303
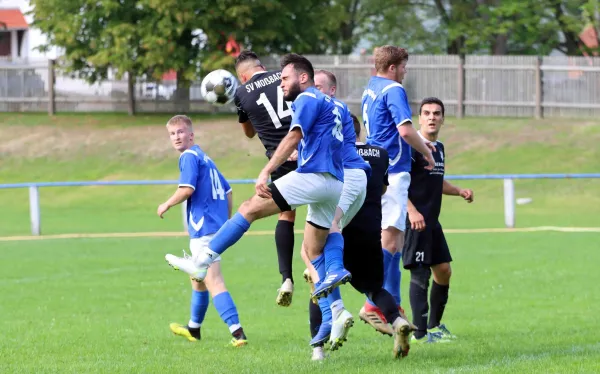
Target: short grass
x,y
520,302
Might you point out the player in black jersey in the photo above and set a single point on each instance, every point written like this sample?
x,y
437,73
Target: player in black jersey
x,y
263,111
363,254
425,248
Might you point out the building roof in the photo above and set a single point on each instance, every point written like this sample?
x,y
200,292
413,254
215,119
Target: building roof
x,y
12,19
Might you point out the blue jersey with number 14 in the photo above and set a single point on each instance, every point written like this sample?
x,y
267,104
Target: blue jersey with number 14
x,y
320,120
385,107
207,208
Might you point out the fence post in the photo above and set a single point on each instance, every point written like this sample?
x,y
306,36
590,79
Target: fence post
x,y
184,214
509,203
539,111
51,103
460,102
34,210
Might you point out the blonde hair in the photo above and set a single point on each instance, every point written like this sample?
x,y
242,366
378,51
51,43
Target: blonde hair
x,y
388,55
180,118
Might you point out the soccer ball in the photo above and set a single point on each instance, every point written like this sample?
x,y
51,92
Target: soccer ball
x,y
218,87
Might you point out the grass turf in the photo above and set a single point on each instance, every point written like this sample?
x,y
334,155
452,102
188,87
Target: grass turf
x,y
519,302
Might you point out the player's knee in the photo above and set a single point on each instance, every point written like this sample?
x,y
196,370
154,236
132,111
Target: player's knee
x,y
443,272
198,286
289,216
216,286
389,239
420,277
249,209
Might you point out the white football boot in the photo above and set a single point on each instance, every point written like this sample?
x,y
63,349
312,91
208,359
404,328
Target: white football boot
x,y
187,265
340,328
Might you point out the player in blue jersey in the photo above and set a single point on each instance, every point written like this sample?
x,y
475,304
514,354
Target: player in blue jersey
x,y
388,122
356,172
209,203
316,133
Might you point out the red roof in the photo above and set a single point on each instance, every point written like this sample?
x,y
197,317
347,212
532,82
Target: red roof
x,y
12,19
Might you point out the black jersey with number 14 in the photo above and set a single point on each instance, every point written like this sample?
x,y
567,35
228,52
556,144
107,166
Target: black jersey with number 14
x,y
260,100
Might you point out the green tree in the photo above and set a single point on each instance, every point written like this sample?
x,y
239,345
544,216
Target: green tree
x,y
152,37
495,27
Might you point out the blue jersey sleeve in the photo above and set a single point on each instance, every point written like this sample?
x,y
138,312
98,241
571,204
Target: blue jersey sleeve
x,y
189,170
398,106
305,109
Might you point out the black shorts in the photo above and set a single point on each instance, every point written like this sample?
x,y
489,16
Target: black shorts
x,y
425,248
363,258
285,168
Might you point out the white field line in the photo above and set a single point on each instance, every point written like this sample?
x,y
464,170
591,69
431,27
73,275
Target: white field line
x,y
268,232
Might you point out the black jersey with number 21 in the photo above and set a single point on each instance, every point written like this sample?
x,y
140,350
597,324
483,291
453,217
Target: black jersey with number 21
x,y
425,191
260,100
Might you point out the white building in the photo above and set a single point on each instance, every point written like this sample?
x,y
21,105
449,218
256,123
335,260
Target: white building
x,y
18,41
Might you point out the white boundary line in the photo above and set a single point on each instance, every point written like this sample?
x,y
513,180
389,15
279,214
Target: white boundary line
x,y
266,232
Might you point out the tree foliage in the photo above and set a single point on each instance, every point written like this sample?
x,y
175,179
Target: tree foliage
x,y
487,26
151,37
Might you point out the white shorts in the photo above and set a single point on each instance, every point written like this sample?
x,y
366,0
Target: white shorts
x,y
354,193
394,201
320,191
198,244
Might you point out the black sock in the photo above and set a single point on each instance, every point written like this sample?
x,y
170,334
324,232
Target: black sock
x,y
195,332
239,334
386,303
315,318
419,283
284,241
439,298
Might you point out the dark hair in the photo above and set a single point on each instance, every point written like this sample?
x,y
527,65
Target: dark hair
x,y
300,63
329,75
356,124
432,100
246,55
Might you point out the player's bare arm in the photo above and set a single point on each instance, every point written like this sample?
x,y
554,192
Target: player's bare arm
x,y
282,153
452,190
409,134
417,221
182,194
248,129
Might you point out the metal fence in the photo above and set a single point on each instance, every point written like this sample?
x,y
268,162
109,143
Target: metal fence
x,y
508,181
504,86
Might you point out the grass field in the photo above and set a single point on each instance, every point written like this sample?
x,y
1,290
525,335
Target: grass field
x,y
519,301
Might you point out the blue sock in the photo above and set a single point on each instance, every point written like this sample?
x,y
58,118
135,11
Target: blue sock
x,y
227,310
335,295
319,264
392,280
387,259
198,306
229,233
334,252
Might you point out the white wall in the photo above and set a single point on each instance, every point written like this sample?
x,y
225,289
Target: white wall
x,y
33,37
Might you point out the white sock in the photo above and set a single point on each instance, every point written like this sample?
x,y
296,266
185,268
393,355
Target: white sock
x,y
205,258
337,308
232,328
193,325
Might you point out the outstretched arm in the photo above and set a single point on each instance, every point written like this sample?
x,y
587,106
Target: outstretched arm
x,y
182,194
452,190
